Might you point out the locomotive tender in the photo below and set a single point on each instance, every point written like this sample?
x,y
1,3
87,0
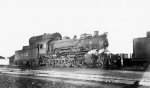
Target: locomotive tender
x,y
53,50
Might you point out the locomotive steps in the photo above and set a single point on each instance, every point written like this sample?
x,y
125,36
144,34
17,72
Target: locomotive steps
x,y
97,75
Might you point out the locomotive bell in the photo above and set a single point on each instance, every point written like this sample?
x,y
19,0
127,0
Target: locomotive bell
x,y
96,33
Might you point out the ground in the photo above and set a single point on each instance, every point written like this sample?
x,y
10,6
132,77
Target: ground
x,y
75,77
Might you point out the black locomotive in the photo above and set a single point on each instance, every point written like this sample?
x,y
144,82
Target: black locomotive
x,y
52,50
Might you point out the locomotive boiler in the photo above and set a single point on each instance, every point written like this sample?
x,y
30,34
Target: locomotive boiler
x,y
53,50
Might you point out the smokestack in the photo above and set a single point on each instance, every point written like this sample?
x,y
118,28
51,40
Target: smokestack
x,y
96,33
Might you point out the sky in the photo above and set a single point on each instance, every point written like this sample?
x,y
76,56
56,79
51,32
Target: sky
x,y
122,19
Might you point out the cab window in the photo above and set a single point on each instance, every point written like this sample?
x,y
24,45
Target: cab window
x,y
44,45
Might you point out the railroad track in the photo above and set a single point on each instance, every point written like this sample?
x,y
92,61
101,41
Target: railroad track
x,y
111,76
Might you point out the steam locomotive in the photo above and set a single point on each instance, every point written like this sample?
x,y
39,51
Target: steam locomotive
x,y
53,50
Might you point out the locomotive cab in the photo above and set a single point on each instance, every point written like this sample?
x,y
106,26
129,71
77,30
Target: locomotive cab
x,y
42,47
